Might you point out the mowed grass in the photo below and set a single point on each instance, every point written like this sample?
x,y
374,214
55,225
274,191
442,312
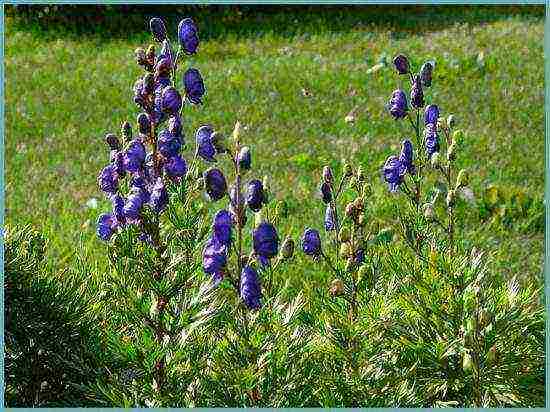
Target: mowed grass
x,y
64,92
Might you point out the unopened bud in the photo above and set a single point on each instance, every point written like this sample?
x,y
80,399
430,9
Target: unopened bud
x,y
362,272
492,355
451,122
336,287
140,56
258,218
435,160
348,170
344,235
484,318
345,250
451,151
327,174
450,198
150,55
287,249
126,130
148,83
428,209
458,136
237,132
112,141
350,211
361,174
462,179
467,362
439,124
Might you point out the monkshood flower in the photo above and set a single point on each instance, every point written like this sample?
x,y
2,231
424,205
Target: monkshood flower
x,y
406,157
250,289
222,226
329,219
214,257
118,163
171,100
106,226
194,86
168,145
417,95
255,197
431,139
118,207
174,125
326,192
112,141
401,64
393,173
108,180
205,146
215,183
188,36
159,196
144,124
426,74
398,104
166,52
133,205
431,114
175,166
158,29
311,242
244,159
266,240
134,156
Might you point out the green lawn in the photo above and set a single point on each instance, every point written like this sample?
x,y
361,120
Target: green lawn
x,y
65,91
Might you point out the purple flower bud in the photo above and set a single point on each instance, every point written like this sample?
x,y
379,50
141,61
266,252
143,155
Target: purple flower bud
x,y
329,219
431,139
174,125
417,95
266,240
426,74
244,159
108,179
163,67
126,130
431,114
214,257
401,64
148,83
159,196
205,147
112,141
175,166
398,104
118,207
144,124
311,242
188,36
106,226
118,163
166,52
327,174
393,173
250,289
168,144
194,86
171,100
406,157
255,197
222,227
161,82
132,207
326,192
216,185
158,29
359,256
134,156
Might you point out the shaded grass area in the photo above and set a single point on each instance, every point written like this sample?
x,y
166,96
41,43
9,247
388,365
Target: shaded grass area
x,y
65,89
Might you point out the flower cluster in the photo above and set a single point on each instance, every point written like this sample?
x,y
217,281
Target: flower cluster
x,y
229,222
151,159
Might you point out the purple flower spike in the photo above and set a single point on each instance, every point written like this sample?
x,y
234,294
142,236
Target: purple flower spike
x,y
326,192
406,157
214,257
431,114
205,147
106,226
401,64
159,196
108,180
393,173
188,36
168,144
417,95
266,240
216,185
250,289
171,100
194,86
431,139
244,159
255,197
398,104
134,156
175,166
329,219
158,29
222,227
311,242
